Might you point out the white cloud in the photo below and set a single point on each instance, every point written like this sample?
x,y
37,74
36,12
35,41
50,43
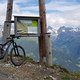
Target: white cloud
x,y
20,1
2,12
61,6
63,19
69,13
55,20
16,8
24,11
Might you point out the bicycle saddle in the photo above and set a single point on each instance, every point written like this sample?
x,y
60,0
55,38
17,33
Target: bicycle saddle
x,y
13,36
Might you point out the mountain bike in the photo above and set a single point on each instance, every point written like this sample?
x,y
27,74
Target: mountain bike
x,y
17,53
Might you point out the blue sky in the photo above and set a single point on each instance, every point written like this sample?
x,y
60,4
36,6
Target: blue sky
x,y
59,12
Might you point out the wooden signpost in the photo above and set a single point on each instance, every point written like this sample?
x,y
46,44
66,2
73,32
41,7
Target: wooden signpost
x,y
44,37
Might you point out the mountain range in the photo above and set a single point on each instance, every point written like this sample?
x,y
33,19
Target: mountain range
x,y
65,47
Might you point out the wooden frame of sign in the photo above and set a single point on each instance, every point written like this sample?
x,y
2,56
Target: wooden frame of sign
x,y
27,26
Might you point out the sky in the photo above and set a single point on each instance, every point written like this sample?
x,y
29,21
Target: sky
x,y
58,12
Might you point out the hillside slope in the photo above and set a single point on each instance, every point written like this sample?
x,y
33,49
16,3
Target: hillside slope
x,y
31,70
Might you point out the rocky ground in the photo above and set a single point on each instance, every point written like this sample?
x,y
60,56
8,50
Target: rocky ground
x,y
30,71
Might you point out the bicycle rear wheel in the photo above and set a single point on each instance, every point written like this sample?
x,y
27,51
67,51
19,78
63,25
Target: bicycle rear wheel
x,y
17,55
1,53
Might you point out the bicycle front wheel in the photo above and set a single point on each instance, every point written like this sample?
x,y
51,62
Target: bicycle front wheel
x,y
17,55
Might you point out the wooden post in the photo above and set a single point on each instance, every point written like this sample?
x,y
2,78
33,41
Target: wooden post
x,y
42,39
49,50
7,24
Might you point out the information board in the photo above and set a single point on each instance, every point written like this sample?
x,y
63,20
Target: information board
x,y
27,26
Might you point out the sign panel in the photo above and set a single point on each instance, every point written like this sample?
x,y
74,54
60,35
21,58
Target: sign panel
x,y
27,26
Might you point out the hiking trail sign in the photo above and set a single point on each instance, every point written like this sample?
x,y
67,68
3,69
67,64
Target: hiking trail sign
x,y
27,26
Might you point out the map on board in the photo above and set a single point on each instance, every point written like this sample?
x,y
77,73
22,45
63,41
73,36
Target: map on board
x,y
27,26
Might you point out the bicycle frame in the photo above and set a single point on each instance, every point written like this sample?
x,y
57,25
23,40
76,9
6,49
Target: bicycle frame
x,y
8,44
16,51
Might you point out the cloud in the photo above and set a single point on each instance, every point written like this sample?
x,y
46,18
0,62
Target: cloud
x,y
17,9
67,14
21,1
64,19
62,6
59,12
2,12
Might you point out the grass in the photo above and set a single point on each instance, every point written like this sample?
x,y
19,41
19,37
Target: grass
x,y
70,76
29,59
65,74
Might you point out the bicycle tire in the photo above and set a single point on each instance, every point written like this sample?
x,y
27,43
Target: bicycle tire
x,y
19,55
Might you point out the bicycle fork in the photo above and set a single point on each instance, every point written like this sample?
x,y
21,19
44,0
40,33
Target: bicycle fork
x,y
15,49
